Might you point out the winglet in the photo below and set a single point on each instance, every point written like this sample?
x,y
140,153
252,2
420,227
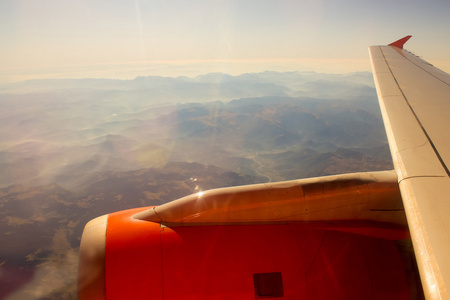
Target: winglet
x,y
400,42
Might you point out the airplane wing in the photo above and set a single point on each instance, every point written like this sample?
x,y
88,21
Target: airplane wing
x,y
414,98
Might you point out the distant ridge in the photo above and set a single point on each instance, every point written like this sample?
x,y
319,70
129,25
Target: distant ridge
x,y
211,86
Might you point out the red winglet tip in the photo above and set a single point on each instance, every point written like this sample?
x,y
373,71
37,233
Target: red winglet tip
x,y
400,42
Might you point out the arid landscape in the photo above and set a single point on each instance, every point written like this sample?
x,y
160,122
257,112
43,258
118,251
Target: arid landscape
x,y
71,150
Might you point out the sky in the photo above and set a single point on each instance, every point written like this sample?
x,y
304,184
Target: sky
x,y
125,38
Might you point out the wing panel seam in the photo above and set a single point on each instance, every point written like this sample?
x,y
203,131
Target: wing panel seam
x,y
423,69
415,115
422,176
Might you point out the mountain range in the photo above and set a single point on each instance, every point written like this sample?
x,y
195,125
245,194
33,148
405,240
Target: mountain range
x,y
71,150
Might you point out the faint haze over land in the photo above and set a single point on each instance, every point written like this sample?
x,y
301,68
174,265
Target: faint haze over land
x,y
74,149
54,129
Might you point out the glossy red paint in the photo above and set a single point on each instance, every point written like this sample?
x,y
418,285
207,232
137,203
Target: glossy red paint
x,y
133,267
316,261
399,43
218,262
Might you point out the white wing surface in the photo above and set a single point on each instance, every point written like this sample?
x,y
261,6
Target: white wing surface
x,y
414,98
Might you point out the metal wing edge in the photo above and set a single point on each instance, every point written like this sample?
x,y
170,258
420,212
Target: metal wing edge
x,y
408,142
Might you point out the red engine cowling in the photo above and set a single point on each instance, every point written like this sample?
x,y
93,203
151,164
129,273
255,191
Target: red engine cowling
x,y
125,258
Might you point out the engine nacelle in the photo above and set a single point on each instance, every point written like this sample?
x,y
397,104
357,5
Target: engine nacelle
x,y
125,256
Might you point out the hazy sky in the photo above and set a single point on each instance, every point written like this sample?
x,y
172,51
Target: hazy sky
x,y
124,39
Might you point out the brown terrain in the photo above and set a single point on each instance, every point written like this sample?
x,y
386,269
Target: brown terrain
x,y
74,150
